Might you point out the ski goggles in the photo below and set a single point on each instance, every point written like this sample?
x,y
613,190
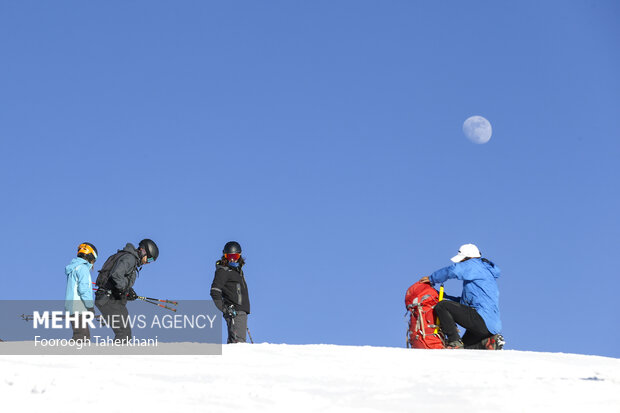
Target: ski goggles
x,y
232,257
149,260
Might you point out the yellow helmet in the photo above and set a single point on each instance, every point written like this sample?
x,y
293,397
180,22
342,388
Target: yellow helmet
x,y
87,251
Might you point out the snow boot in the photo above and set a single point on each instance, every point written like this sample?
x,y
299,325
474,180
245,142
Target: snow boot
x,y
495,342
458,344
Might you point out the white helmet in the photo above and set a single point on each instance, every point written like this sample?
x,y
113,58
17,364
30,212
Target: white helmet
x,y
466,251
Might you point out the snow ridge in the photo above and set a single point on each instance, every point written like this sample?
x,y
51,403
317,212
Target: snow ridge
x,y
310,378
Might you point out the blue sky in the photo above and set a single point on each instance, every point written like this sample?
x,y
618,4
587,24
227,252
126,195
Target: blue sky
x,y
326,138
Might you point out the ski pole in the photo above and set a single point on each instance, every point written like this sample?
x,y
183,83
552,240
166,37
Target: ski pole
x,y
152,299
437,318
161,301
159,305
250,335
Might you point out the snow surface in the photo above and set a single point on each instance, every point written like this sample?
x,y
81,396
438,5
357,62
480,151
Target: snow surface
x,y
313,378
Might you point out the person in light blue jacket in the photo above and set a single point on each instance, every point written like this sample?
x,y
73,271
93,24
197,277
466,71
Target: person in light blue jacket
x,y
477,310
79,297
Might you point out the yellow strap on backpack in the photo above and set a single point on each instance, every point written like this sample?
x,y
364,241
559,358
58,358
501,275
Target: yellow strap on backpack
x,y
437,319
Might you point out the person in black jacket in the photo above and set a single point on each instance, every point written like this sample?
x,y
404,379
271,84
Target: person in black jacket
x,y
115,285
230,292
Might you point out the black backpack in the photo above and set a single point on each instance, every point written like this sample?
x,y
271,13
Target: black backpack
x,y
108,266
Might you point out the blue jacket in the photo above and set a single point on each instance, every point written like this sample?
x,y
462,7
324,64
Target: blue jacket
x,y
479,288
79,293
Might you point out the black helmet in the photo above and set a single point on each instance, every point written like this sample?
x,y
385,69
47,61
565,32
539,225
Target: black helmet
x,y
87,251
232,247
150,247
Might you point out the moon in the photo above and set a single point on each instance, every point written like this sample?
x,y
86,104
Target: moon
x,y
477,129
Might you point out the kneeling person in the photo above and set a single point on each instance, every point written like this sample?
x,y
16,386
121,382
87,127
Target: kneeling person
x,y
478,308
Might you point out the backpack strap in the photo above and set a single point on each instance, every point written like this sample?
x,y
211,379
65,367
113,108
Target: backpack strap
x,y
419,325
103,283
416,305
420,322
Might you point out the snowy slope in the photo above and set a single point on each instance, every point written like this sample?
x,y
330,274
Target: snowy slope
x,y
313,378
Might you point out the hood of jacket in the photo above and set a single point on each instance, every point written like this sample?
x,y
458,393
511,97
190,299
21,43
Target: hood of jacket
x,y
132,250
491,267
76,262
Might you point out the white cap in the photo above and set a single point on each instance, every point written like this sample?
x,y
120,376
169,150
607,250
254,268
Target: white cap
x,y
466,251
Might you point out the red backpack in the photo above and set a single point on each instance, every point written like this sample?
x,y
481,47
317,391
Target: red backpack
x,y
420,300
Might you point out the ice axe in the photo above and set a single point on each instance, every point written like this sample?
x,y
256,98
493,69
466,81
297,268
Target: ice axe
x,y
437,318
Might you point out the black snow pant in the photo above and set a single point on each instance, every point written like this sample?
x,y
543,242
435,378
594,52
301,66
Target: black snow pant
x,y
237,327
115,315
451,313
79,333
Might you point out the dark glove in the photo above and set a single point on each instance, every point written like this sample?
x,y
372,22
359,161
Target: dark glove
x,y
91,310
131,295
230,311
117,294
